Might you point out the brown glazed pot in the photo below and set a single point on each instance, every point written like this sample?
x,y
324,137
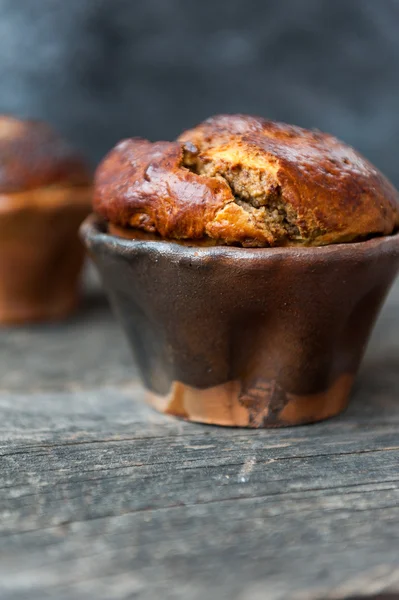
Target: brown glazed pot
x,y
261,337
40,252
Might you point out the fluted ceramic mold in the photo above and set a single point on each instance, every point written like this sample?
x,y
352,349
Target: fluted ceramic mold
x,y
261,337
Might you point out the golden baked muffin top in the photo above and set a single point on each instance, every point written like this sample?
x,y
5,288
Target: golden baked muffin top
x,y
242,180
33,155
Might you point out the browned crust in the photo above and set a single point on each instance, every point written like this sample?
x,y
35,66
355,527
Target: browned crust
x,y
32,155
130,233
144,185
243,180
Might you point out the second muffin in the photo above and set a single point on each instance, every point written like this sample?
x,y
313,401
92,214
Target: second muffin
x,y
45,193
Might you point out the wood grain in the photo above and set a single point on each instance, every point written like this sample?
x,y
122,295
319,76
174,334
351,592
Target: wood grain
x,y
103,498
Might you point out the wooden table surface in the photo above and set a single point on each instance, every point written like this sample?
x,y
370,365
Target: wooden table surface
x,y
101,498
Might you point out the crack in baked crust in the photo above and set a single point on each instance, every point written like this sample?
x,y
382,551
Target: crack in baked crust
x,y
258,195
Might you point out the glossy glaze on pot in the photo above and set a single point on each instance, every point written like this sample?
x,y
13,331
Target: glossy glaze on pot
x,y
251,337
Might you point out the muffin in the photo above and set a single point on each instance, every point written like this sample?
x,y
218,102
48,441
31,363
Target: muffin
x,y
247,262
45,192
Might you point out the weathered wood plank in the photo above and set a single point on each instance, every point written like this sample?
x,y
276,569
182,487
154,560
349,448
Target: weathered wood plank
x,y
102,497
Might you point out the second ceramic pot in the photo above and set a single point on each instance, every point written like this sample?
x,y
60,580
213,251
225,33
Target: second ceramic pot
x,y
41,255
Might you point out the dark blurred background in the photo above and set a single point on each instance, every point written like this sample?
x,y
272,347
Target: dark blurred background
x,y
105,69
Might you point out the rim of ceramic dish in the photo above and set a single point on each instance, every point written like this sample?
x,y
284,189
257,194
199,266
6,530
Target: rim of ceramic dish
x,y
93,232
